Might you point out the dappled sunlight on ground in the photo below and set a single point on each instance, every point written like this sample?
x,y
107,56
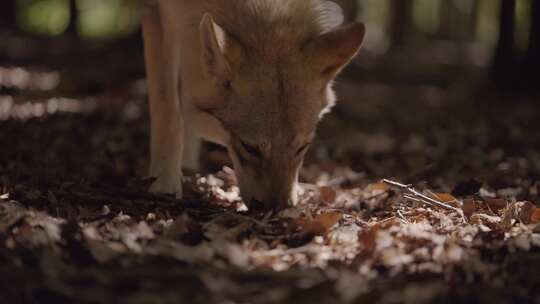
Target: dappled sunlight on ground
x,y
24,79
27,110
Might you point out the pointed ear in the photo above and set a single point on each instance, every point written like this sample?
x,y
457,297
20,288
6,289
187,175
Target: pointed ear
x,y
213,43
331,51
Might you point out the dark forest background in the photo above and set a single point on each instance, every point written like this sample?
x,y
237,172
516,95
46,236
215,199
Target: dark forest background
x,y
438,38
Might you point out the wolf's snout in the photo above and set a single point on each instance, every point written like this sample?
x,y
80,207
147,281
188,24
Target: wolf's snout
x,y
272,198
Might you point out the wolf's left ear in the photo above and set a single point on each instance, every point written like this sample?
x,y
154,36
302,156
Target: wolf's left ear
x,y
331,51
213,44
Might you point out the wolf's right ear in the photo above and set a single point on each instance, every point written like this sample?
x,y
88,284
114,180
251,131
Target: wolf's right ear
x,y
219,50
331,51
213,44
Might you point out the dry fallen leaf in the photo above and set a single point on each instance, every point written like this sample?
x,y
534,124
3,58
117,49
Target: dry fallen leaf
x,y
535,216
380,186
446,198
368,240
496,204
321,223
469,207
525,212
328,195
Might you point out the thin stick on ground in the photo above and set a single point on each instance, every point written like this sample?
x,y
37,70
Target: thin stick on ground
x,y
415,195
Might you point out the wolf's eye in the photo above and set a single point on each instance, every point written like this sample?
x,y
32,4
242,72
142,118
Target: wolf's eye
x,y
253,151
302,149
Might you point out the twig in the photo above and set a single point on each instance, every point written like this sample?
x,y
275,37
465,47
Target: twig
x,y
402,217
412,198
414,195
384,221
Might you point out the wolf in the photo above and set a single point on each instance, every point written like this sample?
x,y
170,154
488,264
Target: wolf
x,y
252,75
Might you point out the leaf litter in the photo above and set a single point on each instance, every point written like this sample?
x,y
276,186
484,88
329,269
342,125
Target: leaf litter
x,y
403,232
79,227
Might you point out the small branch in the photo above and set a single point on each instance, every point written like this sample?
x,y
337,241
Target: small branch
x,y
415,195
402,217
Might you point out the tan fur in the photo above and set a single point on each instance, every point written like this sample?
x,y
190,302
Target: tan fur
x,y
253,75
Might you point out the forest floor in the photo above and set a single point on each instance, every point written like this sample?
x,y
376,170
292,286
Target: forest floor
x,y
456,221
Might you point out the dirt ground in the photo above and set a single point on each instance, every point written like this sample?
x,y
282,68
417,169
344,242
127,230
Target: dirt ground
x,y
456,221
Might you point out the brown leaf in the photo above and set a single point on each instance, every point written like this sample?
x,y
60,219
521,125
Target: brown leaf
x,y
321,224
328,195
469,207
535,216
329,219
525,212
496,204
446,198
381,186
368,239
443,197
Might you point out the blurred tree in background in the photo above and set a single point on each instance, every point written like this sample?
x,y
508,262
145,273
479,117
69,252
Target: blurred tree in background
x,y
401,22
504,61
8,14
532,59
501,33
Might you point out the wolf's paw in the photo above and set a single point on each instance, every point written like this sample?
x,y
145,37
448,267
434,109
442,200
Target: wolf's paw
x,y
167,186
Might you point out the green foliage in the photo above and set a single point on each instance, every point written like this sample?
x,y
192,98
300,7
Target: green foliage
x,y
47,17
487,26
426,15
523,23
107,18
97,19
375,12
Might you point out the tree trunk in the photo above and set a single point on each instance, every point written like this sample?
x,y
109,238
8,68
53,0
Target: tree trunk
x,y
532,59
401,21
474,21
446,16
8,14
504,62
73,26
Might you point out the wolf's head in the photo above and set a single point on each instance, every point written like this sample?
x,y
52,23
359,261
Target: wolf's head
x,y
271,89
